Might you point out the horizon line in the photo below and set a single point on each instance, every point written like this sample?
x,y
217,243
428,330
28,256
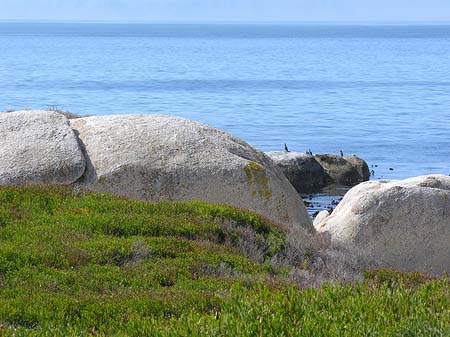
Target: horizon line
x,y
233,22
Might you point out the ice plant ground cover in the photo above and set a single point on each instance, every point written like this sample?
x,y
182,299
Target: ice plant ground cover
x,y
75,263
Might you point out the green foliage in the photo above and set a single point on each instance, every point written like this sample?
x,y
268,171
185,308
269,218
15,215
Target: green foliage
x,y
394,278
74,263
73,258
359,310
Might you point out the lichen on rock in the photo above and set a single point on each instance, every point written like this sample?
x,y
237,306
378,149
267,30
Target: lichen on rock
x,y
256,176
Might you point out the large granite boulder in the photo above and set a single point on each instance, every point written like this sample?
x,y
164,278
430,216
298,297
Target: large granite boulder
x,y
344,170
154,157
38,147
401,224
301,169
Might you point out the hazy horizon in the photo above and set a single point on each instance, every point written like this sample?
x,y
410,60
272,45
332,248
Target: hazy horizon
x,y
230,22
228,11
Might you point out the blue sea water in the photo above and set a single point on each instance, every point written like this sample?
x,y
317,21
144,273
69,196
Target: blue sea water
x,y
381,91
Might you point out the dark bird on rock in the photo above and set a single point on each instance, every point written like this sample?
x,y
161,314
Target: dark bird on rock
x,y
342,153
286,148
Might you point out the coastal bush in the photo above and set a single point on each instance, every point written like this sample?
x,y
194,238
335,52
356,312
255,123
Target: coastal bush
x,y
76,263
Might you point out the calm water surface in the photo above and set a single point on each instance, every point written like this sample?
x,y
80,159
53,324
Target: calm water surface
x,y
382,92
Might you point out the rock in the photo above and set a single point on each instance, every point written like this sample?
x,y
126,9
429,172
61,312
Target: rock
x,y
308,173
321,216
154,157
301,169
401,224
38,147
344,170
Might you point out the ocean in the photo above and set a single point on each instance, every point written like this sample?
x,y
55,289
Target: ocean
x,y
381,92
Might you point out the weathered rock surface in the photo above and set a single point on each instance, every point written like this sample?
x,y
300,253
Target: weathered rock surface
x,y
344,170
308,173
301,169
154,157
402,224
38,147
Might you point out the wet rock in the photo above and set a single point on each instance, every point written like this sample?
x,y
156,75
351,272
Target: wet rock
x,y
301,169
310,173
344,170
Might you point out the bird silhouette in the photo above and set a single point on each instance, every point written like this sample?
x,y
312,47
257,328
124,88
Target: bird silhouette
x,y
286,148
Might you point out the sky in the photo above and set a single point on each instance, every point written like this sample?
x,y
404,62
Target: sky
x,y
227,10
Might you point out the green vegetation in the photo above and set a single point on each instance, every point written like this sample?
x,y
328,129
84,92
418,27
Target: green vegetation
x,y
74,263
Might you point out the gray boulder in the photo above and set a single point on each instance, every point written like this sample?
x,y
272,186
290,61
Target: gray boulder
x,y
154,157
308,173
38,147
400,224
344,170
302,170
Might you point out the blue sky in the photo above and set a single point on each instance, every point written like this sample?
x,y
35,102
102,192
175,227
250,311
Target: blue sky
x,y
227,10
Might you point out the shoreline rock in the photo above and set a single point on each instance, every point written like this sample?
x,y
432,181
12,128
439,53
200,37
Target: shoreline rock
x,y
400,224
157,157
149,157
344,170
311,173
38,147
403,224
301,169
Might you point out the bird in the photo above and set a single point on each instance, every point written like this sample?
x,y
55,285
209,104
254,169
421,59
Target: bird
x,y
342,153
286,148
